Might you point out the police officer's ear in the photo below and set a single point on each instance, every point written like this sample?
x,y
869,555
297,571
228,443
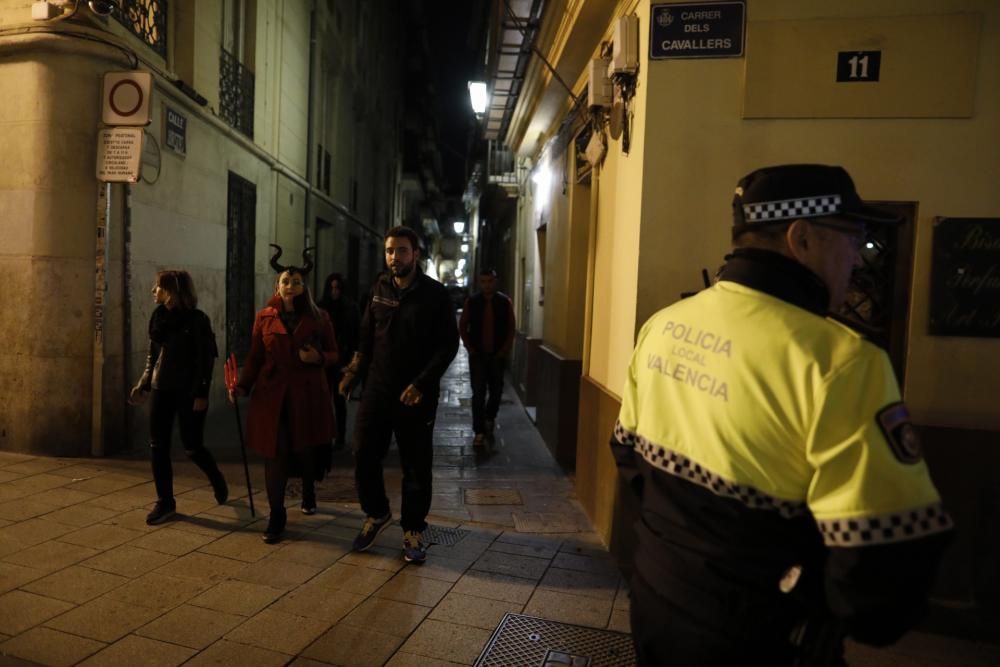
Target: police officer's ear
x,y
799,238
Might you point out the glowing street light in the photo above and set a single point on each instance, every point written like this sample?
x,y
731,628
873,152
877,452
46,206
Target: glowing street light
x,y
543,181
478,96
459,227
465,247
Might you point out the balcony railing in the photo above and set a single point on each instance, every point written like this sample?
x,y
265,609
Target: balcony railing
x,y
235,93
501,166
147,20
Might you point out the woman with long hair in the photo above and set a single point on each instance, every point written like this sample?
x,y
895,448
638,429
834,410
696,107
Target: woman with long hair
x,y
178,375
290,422
346,324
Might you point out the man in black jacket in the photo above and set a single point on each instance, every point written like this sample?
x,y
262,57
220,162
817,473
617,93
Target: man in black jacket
x,y
487,330
408,339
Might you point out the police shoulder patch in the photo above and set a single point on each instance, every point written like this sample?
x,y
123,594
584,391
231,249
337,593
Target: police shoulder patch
x,y
894,420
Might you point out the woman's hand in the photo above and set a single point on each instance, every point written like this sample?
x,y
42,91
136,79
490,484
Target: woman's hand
x,y
346,383
234,394
309,354
137,396
200,404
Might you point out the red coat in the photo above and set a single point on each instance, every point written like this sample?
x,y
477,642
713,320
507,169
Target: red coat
x,y
278,377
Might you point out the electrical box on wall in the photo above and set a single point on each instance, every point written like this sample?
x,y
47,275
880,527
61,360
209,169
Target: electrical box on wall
x,y
625,54
598,83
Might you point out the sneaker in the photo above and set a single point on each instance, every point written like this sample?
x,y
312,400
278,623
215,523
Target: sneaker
x,y
370,529
414,550
162,511
309,507
479,440
221,489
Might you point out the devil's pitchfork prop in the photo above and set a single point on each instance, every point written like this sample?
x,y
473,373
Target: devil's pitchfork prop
x,y
232,377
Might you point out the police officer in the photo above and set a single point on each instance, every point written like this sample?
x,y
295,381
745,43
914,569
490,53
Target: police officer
x,y
784,500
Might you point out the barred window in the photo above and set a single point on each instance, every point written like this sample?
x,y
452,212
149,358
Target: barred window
x,y
147,20
236,78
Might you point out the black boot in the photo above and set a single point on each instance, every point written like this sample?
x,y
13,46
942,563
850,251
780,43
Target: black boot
x,y
308,496
220,488
275,526
162,511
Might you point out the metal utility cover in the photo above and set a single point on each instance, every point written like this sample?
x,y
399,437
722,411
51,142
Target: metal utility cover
x,y
526,641
443,535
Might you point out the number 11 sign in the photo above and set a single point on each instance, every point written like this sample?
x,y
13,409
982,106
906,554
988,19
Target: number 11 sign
x,y
858,66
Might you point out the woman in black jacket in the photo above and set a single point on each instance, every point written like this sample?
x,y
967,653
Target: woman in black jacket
x,y
178,372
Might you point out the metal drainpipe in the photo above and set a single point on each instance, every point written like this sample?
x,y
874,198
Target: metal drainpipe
x,y
127,312
310,132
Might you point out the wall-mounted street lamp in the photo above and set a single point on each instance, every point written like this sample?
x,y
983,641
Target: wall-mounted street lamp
x,y
465,247
543,182
459,227
479,97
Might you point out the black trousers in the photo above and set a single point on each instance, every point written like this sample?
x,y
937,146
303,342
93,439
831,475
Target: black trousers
x,y
665,632
165,405
486,371
289,463
339,404
379,417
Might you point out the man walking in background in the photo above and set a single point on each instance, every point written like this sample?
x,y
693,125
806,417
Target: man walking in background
x,y
487,327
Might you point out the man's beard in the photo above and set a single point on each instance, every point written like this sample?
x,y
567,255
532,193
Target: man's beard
x,y
403,270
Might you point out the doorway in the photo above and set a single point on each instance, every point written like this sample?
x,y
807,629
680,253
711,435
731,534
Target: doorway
x,y
241,230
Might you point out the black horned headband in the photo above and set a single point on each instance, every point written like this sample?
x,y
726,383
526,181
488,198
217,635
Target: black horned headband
x,y
303,270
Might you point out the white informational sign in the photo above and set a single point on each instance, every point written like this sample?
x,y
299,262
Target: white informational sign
x,y
119,154
125,100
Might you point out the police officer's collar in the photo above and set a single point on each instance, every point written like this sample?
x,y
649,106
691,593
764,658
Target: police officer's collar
x,y
780,276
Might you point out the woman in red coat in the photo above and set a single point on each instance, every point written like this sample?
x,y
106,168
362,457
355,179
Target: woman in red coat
x,y
290,419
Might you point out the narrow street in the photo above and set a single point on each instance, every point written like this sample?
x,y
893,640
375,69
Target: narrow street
x,y
83,579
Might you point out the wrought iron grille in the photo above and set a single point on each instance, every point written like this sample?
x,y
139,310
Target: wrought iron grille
x,y
235,93
241,231
877,300
147,20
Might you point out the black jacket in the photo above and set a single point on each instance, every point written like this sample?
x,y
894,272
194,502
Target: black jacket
x,y
471,324
346,322
182,352
407,336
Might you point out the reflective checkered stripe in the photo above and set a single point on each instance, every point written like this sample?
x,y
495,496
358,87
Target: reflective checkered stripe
x,y
792,209
679,465
885,528
623,435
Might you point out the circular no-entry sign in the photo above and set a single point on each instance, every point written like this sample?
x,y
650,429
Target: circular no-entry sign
x,y
126,98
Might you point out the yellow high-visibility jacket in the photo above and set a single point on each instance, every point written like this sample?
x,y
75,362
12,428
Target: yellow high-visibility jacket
x,y
770,437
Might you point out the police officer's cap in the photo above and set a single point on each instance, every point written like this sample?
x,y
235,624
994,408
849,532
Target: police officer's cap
x,y
783,193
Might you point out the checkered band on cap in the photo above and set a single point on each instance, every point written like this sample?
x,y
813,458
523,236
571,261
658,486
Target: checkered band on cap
x,y
885,528
791,209
680,466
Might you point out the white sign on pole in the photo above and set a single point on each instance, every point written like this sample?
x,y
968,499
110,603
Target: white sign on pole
x,y
119,154
125,100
